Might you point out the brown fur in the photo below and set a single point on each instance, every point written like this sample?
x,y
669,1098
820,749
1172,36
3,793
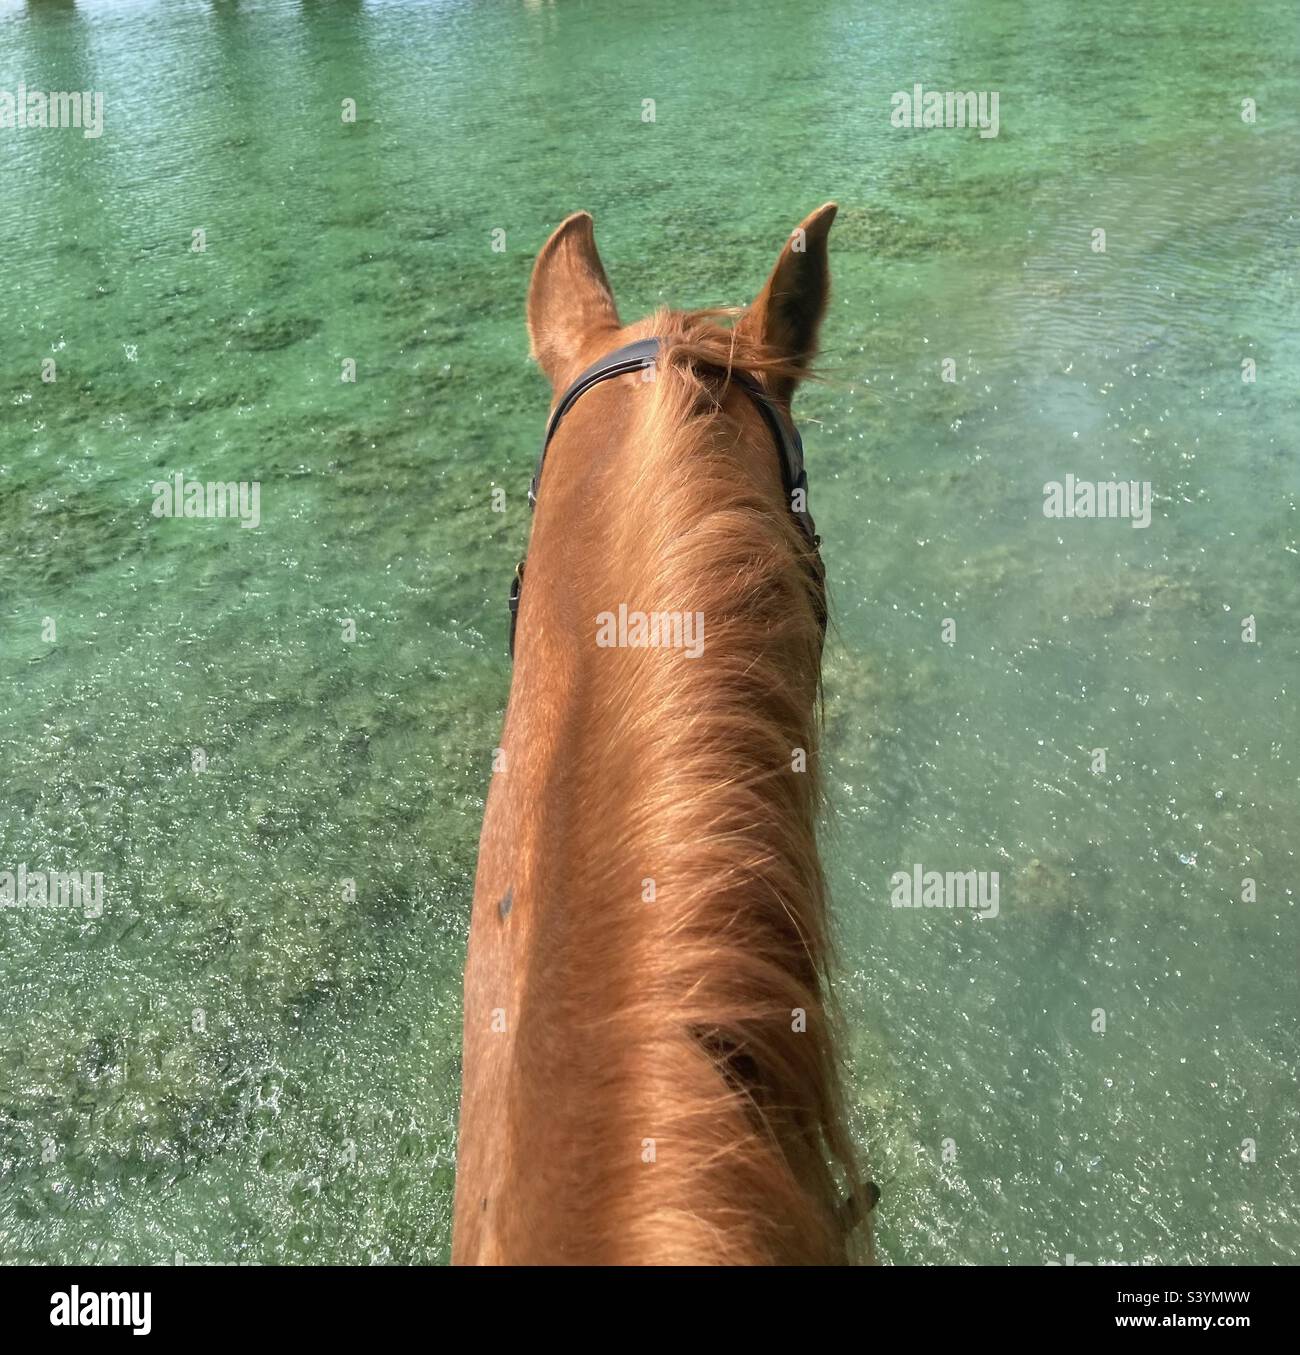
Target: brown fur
x,y
627,1022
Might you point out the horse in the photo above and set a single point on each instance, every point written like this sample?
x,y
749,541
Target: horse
x,y
649,1063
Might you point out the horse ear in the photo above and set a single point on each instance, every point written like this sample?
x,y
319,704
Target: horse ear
x,y
787,314
569,299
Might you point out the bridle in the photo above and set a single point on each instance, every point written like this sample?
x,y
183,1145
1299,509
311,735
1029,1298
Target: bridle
x,y
643,355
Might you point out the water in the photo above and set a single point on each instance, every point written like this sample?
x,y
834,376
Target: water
x,y
239,1062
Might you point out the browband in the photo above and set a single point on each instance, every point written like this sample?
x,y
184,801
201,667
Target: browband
x,y
644,353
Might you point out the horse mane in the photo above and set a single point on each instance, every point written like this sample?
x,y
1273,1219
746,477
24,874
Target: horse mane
x,y
740,1092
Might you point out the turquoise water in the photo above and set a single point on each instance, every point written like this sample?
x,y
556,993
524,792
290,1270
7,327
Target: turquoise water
x,y
240,1061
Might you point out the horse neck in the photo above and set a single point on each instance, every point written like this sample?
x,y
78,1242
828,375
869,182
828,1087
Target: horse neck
x,y
673,1034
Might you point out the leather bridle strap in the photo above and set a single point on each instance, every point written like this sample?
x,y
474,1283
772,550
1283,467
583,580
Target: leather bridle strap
x,y
638,357
632,357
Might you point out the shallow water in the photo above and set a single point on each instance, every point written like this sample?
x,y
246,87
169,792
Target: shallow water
x,y
236,1061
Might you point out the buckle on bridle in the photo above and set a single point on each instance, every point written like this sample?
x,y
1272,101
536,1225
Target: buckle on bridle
x,y
516,584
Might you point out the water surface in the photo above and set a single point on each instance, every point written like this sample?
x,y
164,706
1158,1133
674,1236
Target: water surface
x,y
239,1061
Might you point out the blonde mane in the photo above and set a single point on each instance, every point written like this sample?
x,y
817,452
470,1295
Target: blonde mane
x,y
713,1006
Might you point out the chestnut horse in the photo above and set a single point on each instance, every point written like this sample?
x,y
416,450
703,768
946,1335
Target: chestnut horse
x,y
649,1068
